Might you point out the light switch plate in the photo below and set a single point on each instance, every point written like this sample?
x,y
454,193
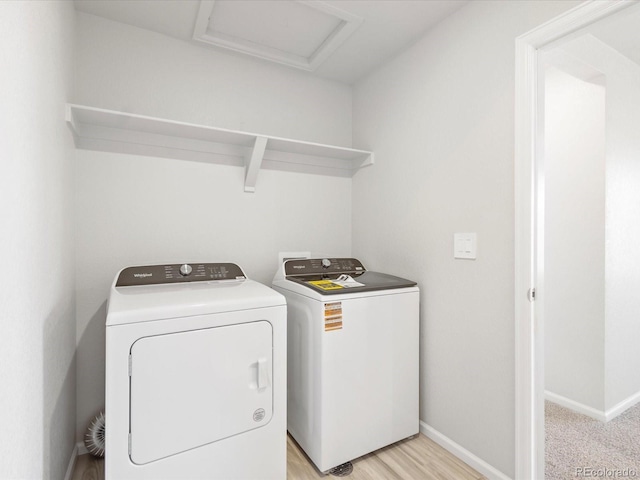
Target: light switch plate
x,y
464,245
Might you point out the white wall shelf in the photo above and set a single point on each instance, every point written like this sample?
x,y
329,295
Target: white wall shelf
x,y
119,132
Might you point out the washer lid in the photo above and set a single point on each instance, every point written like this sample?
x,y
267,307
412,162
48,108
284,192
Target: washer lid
x,y
145,303
339,276
334,284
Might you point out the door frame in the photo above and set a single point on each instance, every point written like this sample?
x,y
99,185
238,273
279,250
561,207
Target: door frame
x,y
529,228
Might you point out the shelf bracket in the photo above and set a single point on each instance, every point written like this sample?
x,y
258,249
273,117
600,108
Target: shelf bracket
x,y
71,123
253,163
365,161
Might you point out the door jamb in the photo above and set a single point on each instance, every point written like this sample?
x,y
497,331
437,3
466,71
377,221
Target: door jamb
x,y
529,229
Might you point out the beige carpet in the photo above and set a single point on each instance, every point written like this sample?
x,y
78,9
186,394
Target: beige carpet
x,y
578,446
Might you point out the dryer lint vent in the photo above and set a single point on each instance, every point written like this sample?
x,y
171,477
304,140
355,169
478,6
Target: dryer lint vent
x,y
94,438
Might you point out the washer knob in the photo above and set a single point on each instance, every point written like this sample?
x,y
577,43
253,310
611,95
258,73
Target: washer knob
x,y
326,263
185,270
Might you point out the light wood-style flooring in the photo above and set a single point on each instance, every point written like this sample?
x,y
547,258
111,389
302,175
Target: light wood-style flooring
x,y
418,458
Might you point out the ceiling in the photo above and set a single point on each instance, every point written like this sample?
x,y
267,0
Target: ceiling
x,y
341,40
621,32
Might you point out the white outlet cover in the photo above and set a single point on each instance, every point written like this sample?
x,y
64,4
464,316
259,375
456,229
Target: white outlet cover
x,y
282,256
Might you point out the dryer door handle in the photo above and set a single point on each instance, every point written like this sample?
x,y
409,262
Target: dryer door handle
x,y
263,373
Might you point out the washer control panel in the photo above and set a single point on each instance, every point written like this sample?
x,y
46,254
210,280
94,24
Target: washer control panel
x,y
321,266
179,273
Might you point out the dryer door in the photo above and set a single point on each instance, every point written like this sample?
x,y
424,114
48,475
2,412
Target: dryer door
x,y
189,389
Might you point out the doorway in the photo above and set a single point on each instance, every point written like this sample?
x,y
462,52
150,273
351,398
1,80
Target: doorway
x,y
530,223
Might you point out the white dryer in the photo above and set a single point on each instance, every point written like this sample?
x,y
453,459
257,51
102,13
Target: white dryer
x,y
195,375
353,358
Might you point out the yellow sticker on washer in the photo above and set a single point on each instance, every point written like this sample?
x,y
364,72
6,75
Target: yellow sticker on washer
x,y
325,284
332,316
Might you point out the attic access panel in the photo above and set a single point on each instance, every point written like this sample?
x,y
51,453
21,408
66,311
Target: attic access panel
x,y
301,33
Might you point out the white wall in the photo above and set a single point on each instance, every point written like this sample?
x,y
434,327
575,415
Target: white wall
x,y
37,331
623,231
622,260
440,118
134,70
574,244
140,210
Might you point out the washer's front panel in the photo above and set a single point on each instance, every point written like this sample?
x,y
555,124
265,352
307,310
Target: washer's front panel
x,y
369,377
193,388
353,380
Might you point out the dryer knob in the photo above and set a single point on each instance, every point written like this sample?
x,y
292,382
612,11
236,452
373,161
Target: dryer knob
x,y
326,263
185,270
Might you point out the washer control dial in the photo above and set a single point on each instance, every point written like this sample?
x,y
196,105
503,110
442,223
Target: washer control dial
x,y
185,269
326,263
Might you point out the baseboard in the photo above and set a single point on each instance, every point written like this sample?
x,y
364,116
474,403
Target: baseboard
x,y
462,453
621,407
575,406
603,416
72,463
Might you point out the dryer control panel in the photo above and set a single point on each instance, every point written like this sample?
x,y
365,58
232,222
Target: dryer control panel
x,y
179,273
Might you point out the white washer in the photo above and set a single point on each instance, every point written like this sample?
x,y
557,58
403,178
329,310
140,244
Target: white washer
x,y
195,375
353,358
